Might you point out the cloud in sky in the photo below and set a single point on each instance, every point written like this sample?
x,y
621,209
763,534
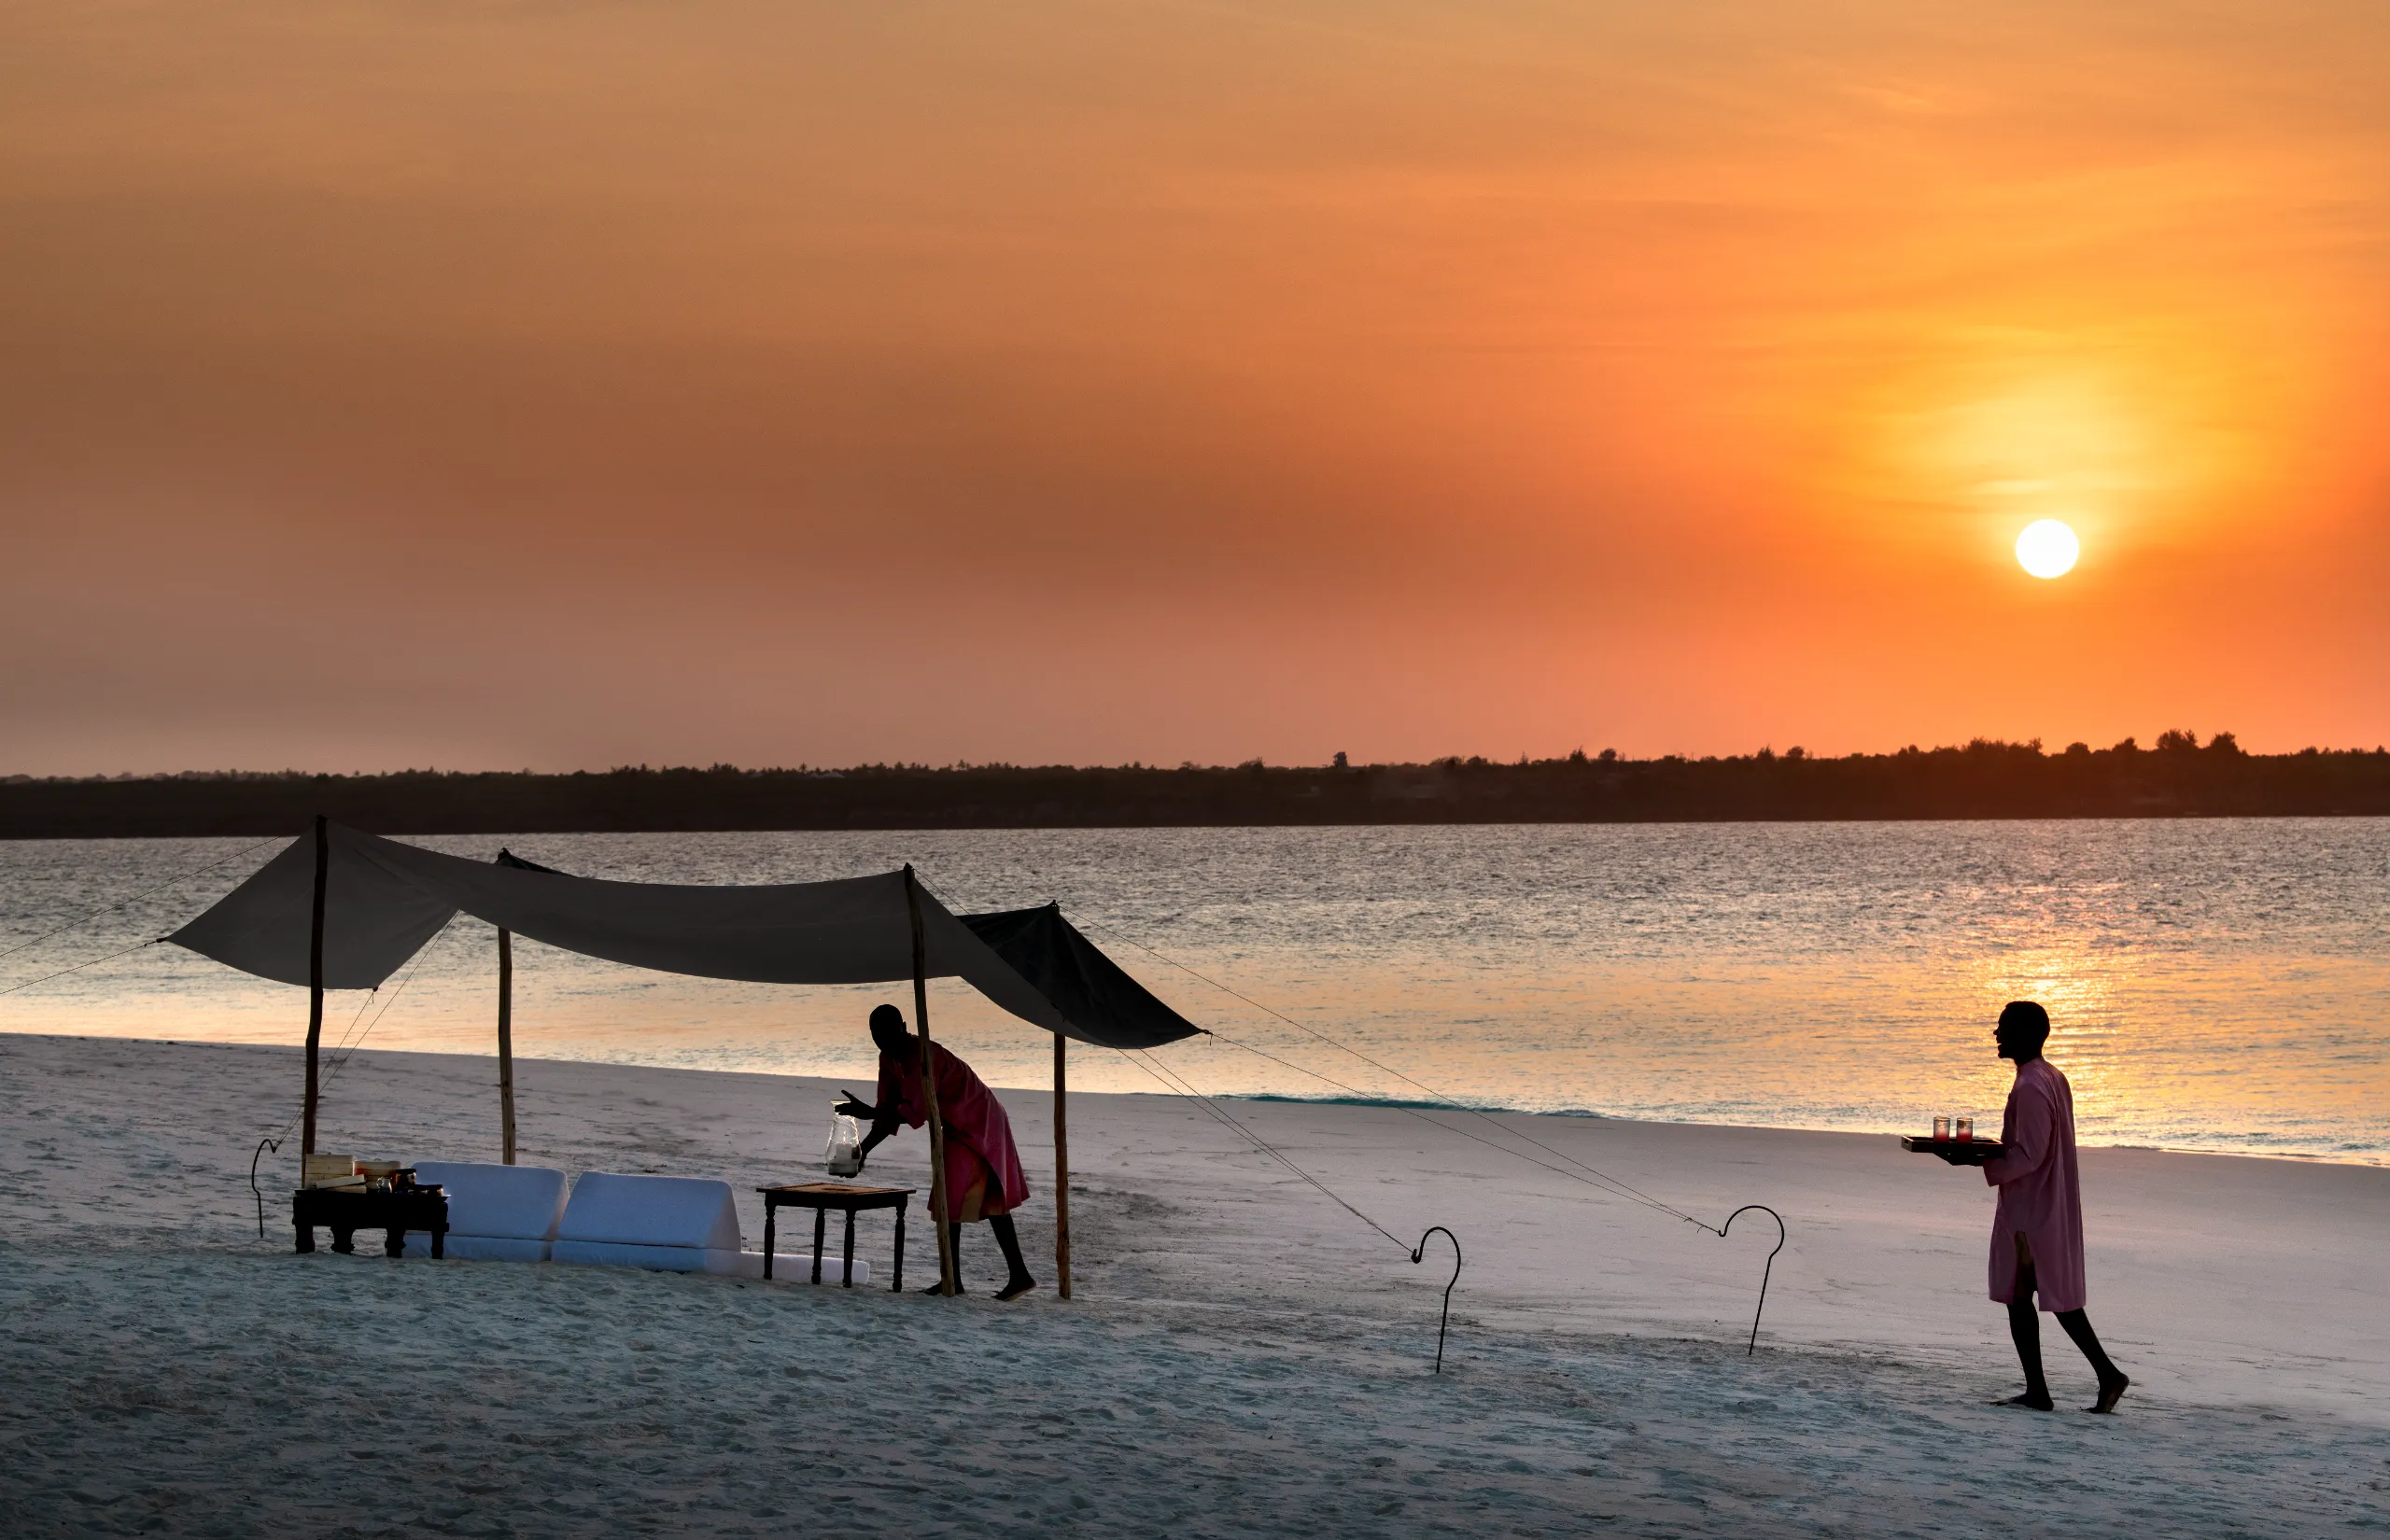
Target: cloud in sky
x,y
566,384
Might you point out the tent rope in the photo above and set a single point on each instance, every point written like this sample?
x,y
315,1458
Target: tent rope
x,y
1596,1179
111,908
1592,1176
1177,1085
78,967
345,1050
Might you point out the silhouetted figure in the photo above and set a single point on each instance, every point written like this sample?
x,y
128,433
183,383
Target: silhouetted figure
x,y
983,1175
2037,1230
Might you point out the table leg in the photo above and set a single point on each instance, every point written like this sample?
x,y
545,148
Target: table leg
x,y
306,1236
821,1218
771,1214
394,1243
849,1282
344,1241
439,1240
899,1285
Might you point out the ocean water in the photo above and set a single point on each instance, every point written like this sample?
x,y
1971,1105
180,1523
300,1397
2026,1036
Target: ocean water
x,y
2216,985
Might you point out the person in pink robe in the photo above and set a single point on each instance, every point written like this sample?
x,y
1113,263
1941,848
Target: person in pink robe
x,y
2037,1227
983,1176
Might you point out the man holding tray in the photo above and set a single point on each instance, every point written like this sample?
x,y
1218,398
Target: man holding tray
x,y
2037,1230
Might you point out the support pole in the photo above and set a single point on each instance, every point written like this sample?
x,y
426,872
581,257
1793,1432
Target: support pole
x,y
314,992
940,1216
506,1043
1061,1171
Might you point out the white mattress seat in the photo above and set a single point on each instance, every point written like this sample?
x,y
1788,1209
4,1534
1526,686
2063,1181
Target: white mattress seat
x,y
696,1259
799,1268
662,1259
497,1213
668,1224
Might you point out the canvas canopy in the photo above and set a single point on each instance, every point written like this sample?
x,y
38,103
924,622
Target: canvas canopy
x,y
385,900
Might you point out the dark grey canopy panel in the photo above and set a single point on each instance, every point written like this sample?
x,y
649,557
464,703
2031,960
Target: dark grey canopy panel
x,y
385,900
1103,1004
373,919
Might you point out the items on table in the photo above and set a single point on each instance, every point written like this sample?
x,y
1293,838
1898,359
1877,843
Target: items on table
x,y
330,1171
347,1173
843,1157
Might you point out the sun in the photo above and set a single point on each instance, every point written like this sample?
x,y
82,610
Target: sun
x,y
2047,549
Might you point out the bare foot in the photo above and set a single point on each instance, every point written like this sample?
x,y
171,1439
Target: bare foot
x,y
938,1288
1016,1288
2110,1394
2037,1403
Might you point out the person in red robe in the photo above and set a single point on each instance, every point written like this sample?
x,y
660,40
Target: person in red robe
x,y
983,1176
2037,1227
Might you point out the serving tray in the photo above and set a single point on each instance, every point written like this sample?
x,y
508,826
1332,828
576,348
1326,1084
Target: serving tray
x,y
1927,1145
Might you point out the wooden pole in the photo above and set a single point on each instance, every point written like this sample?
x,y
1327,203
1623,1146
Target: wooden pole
x,y
315,993
940,1218
1062,1171
506,1043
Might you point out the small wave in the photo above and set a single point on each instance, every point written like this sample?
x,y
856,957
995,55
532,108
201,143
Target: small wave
x,y
1449,1106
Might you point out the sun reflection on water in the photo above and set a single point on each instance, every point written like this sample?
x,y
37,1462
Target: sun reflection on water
x,y
2214,985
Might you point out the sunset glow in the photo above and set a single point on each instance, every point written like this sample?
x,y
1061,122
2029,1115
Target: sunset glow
x,y
589,385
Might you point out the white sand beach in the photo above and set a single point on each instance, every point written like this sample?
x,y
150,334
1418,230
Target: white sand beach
x,y
1242,1357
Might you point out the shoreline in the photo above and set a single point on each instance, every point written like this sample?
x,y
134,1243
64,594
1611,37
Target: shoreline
x,y
2356,1160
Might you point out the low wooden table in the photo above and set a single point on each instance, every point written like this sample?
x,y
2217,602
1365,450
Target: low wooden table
x,y
346,1211
822,1196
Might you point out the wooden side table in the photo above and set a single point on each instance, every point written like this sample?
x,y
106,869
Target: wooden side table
x,y
346,1211
822,1196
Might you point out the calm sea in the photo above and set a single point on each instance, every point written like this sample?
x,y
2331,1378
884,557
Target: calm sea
x,y
2217,984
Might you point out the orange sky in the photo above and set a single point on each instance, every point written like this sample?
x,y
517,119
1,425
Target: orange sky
x,y
566,384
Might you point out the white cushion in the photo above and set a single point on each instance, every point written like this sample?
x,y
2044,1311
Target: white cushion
x,y
797,1268
681,1212
479,1248
519,1202
665,1259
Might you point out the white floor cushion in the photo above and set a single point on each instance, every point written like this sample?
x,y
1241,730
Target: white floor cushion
x,y
517,1202
664,1259
799,1268
479,1248
675,1213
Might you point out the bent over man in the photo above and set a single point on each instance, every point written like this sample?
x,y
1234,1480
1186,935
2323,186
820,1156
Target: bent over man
x,y
983,1175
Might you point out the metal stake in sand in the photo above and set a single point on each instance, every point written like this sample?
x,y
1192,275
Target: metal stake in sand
x,y
1765,1272
1419,1253
939,1219
506,1044
255,1155
1062,1174
314,992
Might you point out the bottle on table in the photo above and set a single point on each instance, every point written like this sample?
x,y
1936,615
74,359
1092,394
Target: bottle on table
x,y
843,1156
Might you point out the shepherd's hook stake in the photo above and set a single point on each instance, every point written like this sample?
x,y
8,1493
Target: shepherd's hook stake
x,y
1419,1253
263,1145
1764,1272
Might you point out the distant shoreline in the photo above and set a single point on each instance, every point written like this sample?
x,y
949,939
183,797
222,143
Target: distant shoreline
x,y
2179,778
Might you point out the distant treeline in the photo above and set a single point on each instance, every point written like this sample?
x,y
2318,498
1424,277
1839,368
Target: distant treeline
x,y
2177,777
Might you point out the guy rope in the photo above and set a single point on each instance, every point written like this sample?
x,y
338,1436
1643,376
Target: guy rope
x,y
1572,1167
